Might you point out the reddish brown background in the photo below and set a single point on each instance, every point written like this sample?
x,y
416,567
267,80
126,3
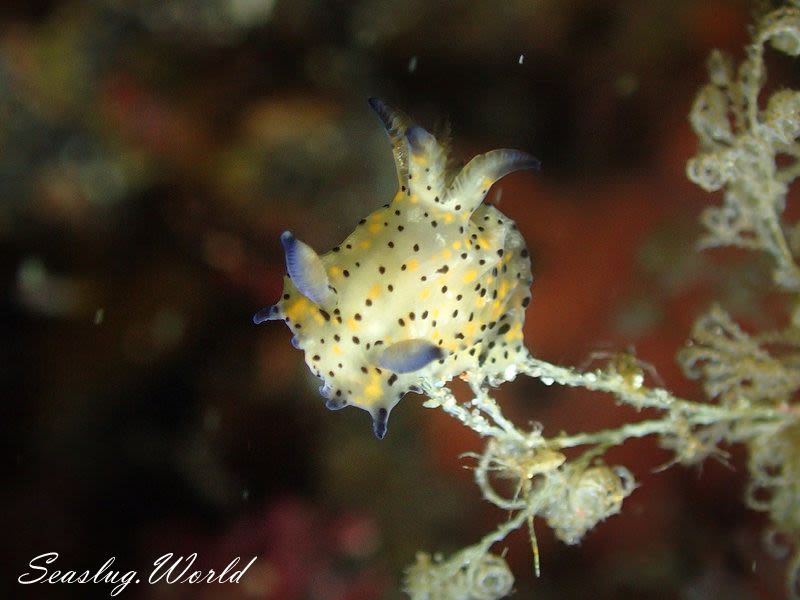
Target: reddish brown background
x,y
147,167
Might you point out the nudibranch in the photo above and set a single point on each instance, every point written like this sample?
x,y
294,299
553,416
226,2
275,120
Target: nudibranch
x,y
427,287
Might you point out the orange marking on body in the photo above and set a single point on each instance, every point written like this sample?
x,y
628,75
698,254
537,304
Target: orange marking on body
x,y
297,309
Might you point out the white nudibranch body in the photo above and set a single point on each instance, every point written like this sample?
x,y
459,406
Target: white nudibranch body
x,y
429,286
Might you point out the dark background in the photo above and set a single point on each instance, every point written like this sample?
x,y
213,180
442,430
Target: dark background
x,y
151,152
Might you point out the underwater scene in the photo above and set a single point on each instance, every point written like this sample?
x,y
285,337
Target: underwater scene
x,y
318,300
